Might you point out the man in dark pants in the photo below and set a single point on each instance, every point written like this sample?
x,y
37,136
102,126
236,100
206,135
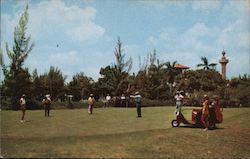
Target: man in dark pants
x,y
137,97
123,100
22,102
47,102
91,102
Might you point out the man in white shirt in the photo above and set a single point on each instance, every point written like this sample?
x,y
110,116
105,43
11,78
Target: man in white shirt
x,y
91,102
137,98
22,103
123,100
178,97
107,102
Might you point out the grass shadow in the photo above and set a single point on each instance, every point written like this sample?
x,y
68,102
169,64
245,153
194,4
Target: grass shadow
x,y
217,129
199,127
190,126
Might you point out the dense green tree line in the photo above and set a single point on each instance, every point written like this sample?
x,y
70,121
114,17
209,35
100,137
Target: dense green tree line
x,y
156,79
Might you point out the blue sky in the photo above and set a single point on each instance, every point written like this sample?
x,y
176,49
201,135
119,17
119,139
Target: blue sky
x,y
86,32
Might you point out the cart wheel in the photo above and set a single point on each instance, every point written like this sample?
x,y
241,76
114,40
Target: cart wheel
x,y
175,123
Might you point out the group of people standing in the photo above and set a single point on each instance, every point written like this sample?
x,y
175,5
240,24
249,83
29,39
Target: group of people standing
x,y
46,103
137,98
211,110
119,101
91,101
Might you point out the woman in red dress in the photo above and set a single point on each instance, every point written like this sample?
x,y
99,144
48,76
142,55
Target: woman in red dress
x,y
205,112
218,110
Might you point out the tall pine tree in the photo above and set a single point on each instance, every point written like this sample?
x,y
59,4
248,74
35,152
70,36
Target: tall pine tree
x,y
17,79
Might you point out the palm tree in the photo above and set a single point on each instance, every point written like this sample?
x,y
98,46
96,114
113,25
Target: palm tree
x,y
156,72
206,65
171,73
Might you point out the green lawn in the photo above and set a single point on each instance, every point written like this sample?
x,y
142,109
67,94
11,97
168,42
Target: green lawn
x,y
117,133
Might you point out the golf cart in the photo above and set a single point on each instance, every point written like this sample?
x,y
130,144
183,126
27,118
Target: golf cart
x,y
196,119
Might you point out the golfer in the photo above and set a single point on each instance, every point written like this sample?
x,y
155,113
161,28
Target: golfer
x,y
22,103
178,97
47,102
137,97
107,102
91,102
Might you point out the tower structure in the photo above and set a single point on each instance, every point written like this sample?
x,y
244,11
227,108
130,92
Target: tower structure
x,y
223,62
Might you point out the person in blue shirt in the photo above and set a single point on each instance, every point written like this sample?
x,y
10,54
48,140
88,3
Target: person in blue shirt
x,y
137,98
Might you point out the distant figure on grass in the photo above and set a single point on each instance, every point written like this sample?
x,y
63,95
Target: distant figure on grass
x,y
178,98
137,98
123,100
205,112
91,102
47,103
107,102
22,103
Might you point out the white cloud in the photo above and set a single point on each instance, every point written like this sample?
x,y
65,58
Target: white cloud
x,y
236,9
165,36
244,39
63,60
152,41
238,64
197,30
54,18
86,31
68,58
50,23
194,40
188,47
235,33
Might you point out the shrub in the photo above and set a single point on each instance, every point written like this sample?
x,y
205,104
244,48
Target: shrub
x,y
5,103
33,104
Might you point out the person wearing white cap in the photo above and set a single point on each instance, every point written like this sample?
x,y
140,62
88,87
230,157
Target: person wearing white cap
x,y
137,97
178,97
91,102
47,102
22,103
107,102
